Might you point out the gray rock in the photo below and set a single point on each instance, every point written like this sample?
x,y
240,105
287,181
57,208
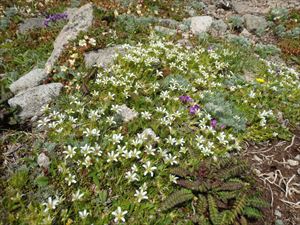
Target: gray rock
x,y
102,57
277,213
165,30
168,23
29,80
126,113
292,162
32,100
149,134
80,21
43,161
297,157
255,23
31,23
200,24
218,27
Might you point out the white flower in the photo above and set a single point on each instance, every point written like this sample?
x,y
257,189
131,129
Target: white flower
x,y
173,178
146,115
82,43
85,150
92,41
77,196
116,138
70,179
148,168
119,215
110,120
150,150
141,194
135,153
131,176
83,214
51,204
112,156
70,152
170,159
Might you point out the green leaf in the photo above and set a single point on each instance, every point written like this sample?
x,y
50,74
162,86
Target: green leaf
x,y
41,181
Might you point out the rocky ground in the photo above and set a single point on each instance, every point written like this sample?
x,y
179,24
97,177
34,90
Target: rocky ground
x,y
78,42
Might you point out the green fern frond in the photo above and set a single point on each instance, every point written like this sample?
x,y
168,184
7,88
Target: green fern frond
x,y
191,185
184,173
234,171
203,220
213,209
226,195
177,198
257,202
230,186
202,204
237,208
252,213
243,221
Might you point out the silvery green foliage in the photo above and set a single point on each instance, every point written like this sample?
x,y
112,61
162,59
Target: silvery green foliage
x,y
197,5
8,14
236,22
133,24
180,80
265,50
279,13
224,111
280,30
239,40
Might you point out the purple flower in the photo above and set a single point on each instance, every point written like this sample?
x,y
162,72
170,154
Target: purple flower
x,y
54,18
193,109
213,123
223,127
185,99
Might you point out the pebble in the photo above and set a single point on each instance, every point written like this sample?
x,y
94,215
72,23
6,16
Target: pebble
x,y
277,213
293,162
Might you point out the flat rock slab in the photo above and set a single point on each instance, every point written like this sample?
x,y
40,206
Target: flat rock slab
x,y
80,20
102,57
31,23
32,100
200,24
29,80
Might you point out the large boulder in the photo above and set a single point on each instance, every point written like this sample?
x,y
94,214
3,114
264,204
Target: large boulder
x,y
255,23
29,80
101,57
80,21
32,100
200,24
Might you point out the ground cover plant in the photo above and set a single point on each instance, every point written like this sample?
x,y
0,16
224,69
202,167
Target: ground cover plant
x,y
160,105
153,138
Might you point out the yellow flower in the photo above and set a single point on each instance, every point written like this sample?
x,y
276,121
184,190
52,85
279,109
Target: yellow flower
x,y
260,80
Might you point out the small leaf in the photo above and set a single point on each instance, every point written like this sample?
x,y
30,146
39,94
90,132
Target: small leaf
x,y
41,181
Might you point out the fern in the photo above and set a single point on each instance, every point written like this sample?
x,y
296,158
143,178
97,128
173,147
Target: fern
x,y
252,213
257,202
184,173
202,204
213,210
192,185
237,208
177,198
234,171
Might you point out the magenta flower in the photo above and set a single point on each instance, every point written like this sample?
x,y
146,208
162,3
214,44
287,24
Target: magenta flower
x,y
193,109
185,99
213,123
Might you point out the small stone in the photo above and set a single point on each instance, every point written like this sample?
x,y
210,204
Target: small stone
x,y
298,171
224,4
279,222
277,213
257,172
149,134
33,99
200,24
168,23
293,162
126,113
164,30
29,80
102,57
43,161
297,157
